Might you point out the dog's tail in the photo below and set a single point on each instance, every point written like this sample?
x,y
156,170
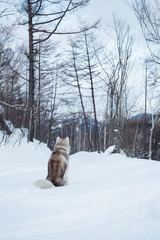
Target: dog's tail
x,y
43,184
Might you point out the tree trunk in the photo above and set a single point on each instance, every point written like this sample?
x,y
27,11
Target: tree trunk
x,y
145,115
97,144
82,105
31,75
53,103
4,126
38,128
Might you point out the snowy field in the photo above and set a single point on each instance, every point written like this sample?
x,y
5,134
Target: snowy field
x,y
109,197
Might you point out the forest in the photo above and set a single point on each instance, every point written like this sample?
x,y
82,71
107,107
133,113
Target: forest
x,y
60,80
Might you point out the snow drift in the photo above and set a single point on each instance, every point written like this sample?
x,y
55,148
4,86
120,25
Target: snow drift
x,y
109,196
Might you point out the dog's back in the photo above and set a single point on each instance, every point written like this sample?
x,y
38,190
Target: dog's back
x,y
58,162
57,167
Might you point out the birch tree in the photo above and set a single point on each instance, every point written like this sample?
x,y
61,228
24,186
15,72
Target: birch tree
x,y
153,102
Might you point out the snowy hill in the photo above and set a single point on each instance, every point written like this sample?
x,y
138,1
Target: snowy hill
x,y
109,197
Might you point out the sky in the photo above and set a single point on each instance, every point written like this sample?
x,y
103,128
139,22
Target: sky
x,y
104,10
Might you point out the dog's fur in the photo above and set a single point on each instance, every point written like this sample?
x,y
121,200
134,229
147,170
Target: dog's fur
x,y
57,166
58,163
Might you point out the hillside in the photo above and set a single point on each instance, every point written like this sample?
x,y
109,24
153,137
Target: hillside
x,y
109,196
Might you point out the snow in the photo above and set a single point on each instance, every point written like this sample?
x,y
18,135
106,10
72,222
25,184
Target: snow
x,y
109,196
110,150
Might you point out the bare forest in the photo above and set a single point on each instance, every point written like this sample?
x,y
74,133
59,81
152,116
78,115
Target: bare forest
x,y
73,80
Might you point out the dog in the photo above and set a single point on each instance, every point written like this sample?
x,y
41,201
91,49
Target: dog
x,y
57,165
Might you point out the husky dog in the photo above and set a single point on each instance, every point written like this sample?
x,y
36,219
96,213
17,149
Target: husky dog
x,y
57,165
58,162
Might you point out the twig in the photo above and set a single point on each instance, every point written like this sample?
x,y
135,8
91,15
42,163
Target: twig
x,y
16,105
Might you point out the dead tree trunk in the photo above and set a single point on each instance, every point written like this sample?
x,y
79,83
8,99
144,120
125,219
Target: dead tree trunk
x,y
97,143
82,105
53,103
4,126
31,75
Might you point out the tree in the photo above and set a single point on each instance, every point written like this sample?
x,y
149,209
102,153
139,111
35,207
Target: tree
x,y
3,125
116,70
147,13
82,69
153,100
46,72
43,20
145,111
90,67
75,67
11,92
53,106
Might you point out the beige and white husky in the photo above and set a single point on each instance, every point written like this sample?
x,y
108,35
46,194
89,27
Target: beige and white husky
x,y
57,165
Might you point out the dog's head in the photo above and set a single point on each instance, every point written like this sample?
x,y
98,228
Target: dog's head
x,y
62,140
63,143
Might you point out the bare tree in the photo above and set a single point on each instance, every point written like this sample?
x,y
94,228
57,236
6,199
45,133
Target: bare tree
x,y
90,68
53,107
46,63
80,92
153,100
148,15
11,93
43,17
116,70
86,74
154,113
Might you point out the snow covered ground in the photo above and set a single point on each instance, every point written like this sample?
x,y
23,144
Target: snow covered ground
x,y
109,197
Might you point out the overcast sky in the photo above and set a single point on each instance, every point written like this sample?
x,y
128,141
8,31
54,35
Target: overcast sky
x,y
104,10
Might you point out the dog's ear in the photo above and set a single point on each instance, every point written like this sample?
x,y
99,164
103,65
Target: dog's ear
x,y
67,138
58,139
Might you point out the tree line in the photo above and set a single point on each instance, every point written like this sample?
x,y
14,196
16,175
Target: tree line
x,y
53,89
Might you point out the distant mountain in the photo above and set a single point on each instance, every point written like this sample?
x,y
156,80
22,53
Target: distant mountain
x,y
140,116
